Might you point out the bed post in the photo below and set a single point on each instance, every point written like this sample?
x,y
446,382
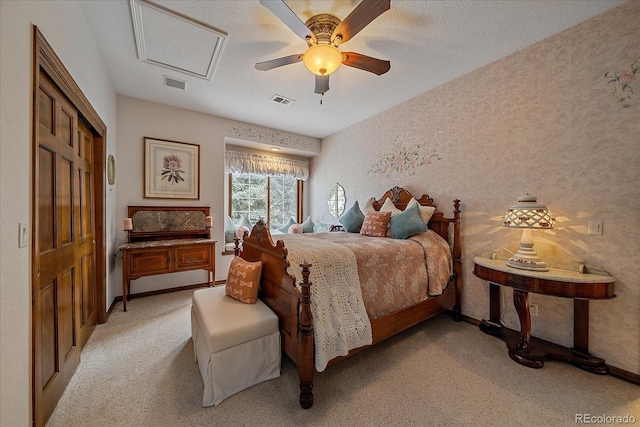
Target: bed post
x,y
457,261
236,248
306,366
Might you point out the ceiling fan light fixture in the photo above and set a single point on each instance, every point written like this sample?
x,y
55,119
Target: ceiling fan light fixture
x,y
322,59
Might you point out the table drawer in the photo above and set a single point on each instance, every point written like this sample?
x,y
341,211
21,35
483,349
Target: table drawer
x,y
151,261
192,257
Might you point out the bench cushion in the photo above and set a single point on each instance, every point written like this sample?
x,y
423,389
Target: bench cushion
x,y
226,322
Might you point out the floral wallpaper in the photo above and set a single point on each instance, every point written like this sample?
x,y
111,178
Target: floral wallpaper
x,y
544,121
270,136
622,83
402,158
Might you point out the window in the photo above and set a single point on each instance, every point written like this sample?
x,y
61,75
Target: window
x,y
256,196
265,187
283,200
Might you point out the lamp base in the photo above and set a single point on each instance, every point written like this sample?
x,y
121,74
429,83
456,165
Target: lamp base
x,y
527,259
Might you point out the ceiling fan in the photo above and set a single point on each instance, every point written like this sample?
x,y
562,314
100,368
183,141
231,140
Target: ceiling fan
x,y
323,34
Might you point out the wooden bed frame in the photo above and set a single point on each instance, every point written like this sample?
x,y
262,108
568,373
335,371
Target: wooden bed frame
x,y
293,305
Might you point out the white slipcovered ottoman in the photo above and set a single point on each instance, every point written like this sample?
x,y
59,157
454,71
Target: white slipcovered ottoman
x,y
236,345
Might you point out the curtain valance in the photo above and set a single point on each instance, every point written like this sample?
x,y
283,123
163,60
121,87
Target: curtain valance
x,y
238,162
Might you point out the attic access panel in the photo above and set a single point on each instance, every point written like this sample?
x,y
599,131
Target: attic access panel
x,y
168,39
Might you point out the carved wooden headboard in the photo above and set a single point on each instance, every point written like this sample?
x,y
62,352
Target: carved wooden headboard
x,y
438,222
168,222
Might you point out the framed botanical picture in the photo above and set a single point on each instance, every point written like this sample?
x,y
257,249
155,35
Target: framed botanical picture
x,y
171,169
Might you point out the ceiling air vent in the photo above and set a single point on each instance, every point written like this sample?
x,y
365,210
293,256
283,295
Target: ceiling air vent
x,y
281,100
172,82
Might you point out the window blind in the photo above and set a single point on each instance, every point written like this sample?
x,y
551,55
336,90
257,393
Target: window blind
x,y
238,162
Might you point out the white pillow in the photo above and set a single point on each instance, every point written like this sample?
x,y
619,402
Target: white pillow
x,y
426,212
388,206
367,207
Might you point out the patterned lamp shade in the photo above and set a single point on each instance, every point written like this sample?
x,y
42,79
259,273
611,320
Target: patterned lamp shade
x,y
527,214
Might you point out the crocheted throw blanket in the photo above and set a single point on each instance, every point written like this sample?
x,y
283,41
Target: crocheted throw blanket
x,y
340,321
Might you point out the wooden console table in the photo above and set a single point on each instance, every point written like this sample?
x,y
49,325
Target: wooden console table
x,y
166,240
530,351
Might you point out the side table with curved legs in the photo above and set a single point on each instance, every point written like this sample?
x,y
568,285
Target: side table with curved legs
x,y
530,351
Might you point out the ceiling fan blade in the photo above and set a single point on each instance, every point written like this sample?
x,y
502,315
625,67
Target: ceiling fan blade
x,y
288,17
360,17
279,62
366,63
322,84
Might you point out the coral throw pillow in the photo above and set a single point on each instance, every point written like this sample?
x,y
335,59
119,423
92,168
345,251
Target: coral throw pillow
x,y
375,224
295,229
243,280
240,232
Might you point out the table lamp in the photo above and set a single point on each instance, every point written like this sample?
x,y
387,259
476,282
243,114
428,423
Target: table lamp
x,y
527,214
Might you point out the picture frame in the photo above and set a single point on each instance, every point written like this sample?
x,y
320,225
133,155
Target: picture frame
x,y
171,169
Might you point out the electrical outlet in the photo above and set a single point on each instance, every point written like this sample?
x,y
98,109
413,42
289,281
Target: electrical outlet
x,y
595,228
533,309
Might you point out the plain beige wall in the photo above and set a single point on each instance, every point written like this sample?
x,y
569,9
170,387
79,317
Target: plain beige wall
x,y
540,121
137,119
63,25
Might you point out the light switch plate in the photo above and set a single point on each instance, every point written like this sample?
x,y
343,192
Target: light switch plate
x,y
595,228
23,235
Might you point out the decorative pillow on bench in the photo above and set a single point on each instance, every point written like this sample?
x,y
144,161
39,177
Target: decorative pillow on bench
x,y
307,225
285,228
229,230
243,280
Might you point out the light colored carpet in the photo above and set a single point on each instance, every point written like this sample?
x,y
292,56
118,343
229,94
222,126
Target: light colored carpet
x,y
138,370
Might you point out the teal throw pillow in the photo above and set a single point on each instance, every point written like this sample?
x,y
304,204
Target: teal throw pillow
x,y
407,223
229,230
352,219
245,221
285,228
307,225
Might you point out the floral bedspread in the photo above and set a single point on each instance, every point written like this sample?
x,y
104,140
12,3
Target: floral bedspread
x,y
393,273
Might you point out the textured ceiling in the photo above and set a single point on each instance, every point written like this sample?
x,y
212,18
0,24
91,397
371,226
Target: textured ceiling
x,y
428,43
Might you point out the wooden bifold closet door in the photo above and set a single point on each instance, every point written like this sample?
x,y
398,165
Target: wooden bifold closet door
x,y
68,246
64,289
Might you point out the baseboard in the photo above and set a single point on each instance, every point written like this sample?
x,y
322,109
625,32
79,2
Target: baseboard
x,y
624,375
163,291
471,320
613,371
